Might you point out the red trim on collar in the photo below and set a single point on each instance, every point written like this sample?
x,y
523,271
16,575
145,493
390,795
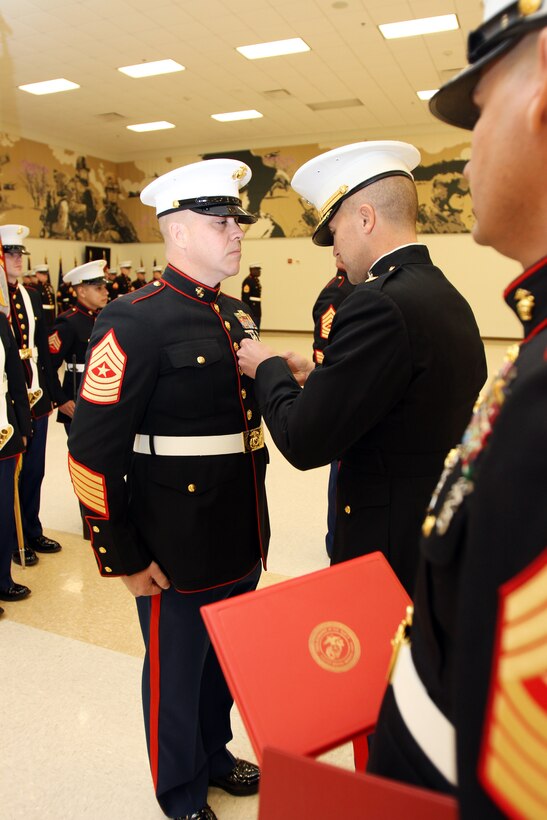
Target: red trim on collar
x,y
535,331
524,276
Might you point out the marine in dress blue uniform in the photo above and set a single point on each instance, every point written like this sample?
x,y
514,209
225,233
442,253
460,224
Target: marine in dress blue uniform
x,y
43,388
402,369
47,294
69,337
15,427
251,292
164,403
466,712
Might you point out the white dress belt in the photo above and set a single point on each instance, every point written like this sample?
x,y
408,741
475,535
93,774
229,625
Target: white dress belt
x,y
48,307
79,368
255,299
223,445
431,730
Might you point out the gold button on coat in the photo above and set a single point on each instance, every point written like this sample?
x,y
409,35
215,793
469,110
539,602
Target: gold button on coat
x,y
102,549
249,414
108,569
347,509
96,529
191,488
236,346
216,307
243,394
227,325
201,359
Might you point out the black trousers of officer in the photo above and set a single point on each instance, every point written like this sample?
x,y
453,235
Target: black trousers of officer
x,y
186,701
30,480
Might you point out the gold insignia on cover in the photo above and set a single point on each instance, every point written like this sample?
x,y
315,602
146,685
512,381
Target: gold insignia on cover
x,y
240,172
513,767
90,487
54,342
527,7
19,230
6,433
104,375
200,292
334,646
525,304
332,200
326,322
34,396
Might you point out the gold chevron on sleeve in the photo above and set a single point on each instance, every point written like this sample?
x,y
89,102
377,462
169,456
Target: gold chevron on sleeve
x,y
514,753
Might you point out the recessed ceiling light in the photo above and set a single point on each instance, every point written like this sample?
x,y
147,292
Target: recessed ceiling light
x,y
151,69
425,25
49,86
161,125
426,95
231,116
274,49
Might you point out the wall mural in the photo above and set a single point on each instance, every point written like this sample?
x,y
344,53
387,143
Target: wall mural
x,y
62,195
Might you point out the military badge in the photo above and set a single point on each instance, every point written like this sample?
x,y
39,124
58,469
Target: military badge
x,y
248,324
466,454
104,374
326,322
90,487
54,342
513,766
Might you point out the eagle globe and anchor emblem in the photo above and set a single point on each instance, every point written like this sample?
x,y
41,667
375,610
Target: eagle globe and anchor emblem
x,y
334,646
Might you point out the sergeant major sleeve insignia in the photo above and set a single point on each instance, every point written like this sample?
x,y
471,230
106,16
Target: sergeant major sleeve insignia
x,y
104,373
512,766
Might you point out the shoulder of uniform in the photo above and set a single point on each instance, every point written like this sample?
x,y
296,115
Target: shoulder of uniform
x,y
146,292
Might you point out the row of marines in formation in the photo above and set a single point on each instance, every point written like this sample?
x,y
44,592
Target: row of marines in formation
x,y
167,429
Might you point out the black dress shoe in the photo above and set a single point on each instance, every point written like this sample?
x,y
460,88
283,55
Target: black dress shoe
x,y
206,813
30,557
242,780
43,544
16,592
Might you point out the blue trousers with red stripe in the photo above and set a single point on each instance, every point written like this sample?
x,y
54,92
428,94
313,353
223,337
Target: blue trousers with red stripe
x,y
186,701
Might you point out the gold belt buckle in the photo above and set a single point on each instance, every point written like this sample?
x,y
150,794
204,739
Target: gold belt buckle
x,y
25,353
401,637
253,439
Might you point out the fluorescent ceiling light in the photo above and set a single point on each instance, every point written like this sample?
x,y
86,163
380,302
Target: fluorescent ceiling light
x,y
274,49
49,86
231,116
151,126
425,25
426,95
151,69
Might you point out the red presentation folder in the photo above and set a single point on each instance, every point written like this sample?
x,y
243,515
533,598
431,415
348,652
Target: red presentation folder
x,y
295,787
306,659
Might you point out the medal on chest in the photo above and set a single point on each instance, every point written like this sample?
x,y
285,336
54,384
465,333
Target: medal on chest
x,y
467,454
